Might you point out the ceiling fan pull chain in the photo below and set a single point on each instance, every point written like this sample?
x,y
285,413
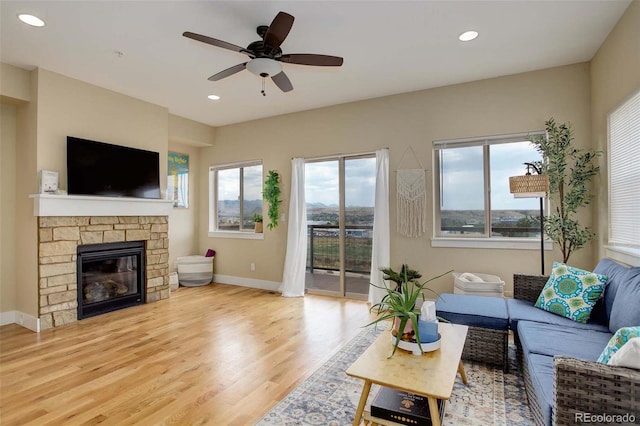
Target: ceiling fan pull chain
x,y
262,91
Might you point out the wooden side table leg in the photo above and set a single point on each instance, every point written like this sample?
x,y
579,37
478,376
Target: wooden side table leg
x,y
363,400
433,410
463,375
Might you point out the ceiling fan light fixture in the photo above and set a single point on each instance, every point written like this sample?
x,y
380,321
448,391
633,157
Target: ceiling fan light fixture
x,y
468,35
32,20
264,67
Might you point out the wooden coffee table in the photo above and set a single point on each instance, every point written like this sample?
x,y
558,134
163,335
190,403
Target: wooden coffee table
x,y
431,374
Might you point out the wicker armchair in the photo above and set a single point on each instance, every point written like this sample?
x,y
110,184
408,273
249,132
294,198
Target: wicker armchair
x,y
579,386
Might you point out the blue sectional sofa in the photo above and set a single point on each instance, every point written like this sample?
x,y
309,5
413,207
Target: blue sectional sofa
x,y
558,355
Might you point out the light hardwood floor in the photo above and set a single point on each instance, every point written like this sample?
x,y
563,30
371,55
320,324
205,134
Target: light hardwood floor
x,y
217,355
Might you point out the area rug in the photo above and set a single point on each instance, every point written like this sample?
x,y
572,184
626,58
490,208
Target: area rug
x,y
330,397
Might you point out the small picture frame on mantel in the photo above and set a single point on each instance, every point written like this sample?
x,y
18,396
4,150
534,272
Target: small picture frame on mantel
x,y
48,182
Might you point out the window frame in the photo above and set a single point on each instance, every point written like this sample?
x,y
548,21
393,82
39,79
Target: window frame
x,y
486,240
617,249
213,201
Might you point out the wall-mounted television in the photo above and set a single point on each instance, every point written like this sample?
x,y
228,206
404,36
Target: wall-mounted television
x,y
98,168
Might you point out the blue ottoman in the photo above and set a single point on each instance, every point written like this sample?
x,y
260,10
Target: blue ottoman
x,y
488,321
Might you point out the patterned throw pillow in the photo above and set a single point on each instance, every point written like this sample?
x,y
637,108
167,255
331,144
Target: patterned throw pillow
x,y
571,292
618,340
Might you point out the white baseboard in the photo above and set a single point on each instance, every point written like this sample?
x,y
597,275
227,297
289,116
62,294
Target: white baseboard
x,y
246,282
7,318
20,318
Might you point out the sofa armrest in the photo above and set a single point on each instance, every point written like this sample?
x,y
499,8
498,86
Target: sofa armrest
x,y
528,287
591,387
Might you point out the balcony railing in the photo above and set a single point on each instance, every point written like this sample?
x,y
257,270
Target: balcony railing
x,y
323,251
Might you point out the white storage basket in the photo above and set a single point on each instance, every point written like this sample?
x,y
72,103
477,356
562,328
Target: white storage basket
x,y
490,285
195,270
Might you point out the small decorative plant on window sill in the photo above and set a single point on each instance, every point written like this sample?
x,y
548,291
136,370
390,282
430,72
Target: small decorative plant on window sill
x,y
569,170
399,304
257,219
272,195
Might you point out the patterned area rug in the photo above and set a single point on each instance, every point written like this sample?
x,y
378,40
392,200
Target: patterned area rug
x,y
330,397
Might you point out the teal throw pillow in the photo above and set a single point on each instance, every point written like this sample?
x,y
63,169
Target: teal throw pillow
x,y
618,340
571,292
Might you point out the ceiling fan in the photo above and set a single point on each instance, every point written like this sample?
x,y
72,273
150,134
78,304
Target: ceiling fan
x,y
266,55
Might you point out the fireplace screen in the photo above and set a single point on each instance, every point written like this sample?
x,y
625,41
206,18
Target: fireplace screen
x,y
110,277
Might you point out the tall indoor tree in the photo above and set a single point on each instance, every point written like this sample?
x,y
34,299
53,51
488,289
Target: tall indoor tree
x,y
570,170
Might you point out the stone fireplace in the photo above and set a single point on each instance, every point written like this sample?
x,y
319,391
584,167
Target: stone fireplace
x,y
60,235
110,277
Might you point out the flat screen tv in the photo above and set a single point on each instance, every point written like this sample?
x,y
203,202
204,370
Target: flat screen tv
x,y
98,168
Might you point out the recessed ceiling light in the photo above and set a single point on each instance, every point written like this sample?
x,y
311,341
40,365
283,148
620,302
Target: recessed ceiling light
x,y
32,20
468,35
213,97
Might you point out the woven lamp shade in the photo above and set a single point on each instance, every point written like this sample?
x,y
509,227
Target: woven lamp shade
x,y
528,186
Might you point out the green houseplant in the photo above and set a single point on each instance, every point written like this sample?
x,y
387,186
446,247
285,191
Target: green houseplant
x,y
271,193
399,304
405,274
257,219
569,170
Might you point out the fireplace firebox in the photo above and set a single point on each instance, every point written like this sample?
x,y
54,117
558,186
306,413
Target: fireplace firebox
x,y
110,277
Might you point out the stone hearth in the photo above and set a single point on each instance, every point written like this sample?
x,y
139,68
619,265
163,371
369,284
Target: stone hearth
x,y
59,237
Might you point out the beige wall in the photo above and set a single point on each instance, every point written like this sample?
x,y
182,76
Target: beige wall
x,y
189,132
8,142
68,107
183,231
14,84
511,104
26,266
187,137
615,76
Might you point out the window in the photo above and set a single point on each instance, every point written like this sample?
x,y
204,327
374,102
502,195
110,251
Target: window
x,y
471,187
236,195
624,175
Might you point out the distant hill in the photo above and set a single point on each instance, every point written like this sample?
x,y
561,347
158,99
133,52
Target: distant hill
x,y
232,207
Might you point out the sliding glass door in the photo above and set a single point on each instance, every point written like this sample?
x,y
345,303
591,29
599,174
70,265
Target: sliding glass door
x,y
340,198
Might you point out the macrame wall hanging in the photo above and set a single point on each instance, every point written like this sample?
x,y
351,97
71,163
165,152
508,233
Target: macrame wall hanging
x,y
411,215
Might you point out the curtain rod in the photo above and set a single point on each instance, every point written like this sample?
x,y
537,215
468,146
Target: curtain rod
x,y
331,157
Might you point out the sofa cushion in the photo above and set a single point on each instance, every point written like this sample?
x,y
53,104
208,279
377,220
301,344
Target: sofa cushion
x,y
628,355
619,339
625,311
541,371
548,339
614,272
571,292
522,310
477,311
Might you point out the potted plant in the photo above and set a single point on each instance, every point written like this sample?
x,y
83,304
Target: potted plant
x,y
257,219
405,274
569,170
399,304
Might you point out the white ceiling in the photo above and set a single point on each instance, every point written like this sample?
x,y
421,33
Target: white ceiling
x,y
388,47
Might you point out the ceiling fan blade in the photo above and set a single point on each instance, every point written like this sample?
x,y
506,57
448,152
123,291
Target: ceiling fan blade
x,y
282,81
278,30
213,41
229,71
311,59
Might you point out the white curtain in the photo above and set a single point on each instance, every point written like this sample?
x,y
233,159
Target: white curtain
x,y
296,259
380,252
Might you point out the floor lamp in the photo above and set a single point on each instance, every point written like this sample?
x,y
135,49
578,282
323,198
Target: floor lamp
x,y
532,186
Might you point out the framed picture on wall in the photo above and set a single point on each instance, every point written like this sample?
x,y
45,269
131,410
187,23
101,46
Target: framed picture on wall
x,y
178,179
